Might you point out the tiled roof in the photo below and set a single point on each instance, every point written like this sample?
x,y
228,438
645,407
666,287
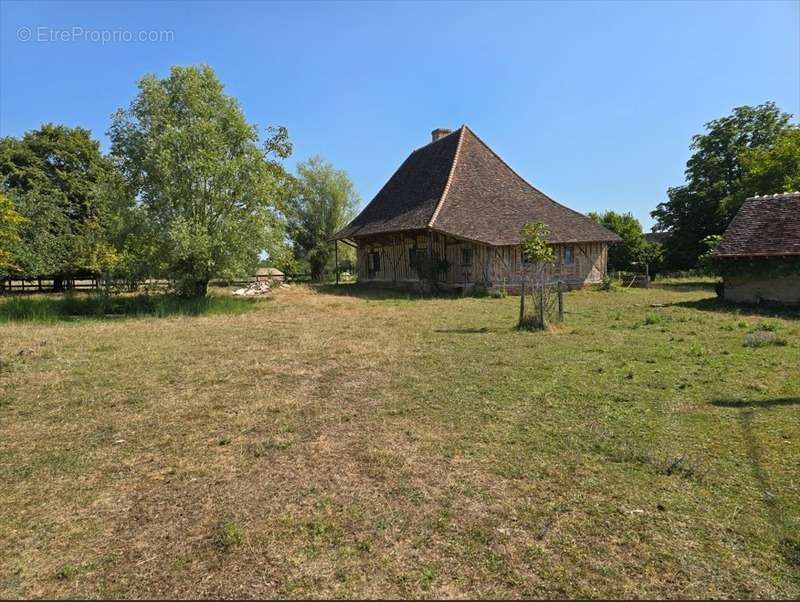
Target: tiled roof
x,y
656,237
407,201
459,186
764,226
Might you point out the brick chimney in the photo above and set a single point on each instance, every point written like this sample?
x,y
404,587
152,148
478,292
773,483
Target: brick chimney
x,y
440,133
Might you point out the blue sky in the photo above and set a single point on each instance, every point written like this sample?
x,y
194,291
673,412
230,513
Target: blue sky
x,y
593,102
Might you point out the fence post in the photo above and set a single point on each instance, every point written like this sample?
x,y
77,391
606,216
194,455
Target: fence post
x,y
522,302
560,303
541,303
336,254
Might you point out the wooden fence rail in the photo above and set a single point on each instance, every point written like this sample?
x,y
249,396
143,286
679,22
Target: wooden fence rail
x,y
46,284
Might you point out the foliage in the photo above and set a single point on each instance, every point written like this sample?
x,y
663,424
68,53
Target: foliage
x,y
774,168
10,223
539,254
717,180
53,175
209,194
622,256
652,255
706,261
534,243
131,233
608,283
324,200
763,267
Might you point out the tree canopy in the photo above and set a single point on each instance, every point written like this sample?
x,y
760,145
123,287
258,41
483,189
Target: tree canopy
x,y
774,168
53,176
324,201
209,190
10,223
716,179
622,256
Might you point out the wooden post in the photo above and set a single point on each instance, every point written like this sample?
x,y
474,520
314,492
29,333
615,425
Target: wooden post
x,y
541,303
560,303
433,277
522,302
336,255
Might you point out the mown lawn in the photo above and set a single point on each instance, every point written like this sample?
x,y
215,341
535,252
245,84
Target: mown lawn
x,y
376,445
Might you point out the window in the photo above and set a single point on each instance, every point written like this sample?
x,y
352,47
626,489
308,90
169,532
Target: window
x,y
569,255
466,256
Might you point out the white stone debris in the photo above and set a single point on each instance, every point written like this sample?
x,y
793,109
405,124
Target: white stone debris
x,y
263,287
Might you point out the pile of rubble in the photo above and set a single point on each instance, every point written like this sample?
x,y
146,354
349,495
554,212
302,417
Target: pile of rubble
x,y
262,287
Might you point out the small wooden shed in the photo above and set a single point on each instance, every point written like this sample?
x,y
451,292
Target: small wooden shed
x,y
455,200
263,274
759,255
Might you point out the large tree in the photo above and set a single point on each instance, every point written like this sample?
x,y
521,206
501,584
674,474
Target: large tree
x,y
323,202
622,255
53,175
715,180
208,189
774,168
10,223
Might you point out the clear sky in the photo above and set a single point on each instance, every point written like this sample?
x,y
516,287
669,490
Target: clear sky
x,y
593,102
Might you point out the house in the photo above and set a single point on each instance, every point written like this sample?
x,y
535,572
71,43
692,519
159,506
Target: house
x,y
456,204
656,238
759,255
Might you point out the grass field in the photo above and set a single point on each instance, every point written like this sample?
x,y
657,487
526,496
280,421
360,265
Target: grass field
x,y
369,444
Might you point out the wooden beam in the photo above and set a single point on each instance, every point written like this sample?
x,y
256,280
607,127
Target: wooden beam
x,y
336,260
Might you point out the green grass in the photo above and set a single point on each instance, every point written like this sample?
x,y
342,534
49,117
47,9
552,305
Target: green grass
x,y
375,444
54,308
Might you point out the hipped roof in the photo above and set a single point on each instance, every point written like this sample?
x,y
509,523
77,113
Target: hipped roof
x,y
457,185
764,226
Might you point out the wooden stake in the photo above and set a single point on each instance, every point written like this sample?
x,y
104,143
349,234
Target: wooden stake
x,y
560,303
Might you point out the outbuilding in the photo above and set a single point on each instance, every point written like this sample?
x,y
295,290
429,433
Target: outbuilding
x,y
759,255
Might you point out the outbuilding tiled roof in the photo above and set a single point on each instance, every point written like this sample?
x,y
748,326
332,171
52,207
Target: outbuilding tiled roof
x,y
457,185
764,226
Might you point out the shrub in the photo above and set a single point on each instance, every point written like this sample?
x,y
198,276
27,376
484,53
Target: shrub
x,y
762,338
766,327
608,284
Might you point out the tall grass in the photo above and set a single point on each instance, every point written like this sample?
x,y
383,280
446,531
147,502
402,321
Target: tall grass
x,y
54,308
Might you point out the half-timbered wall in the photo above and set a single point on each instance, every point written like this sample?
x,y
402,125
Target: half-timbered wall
x,y
472,263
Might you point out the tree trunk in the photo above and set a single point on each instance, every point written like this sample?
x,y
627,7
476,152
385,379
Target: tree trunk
x,y
194,289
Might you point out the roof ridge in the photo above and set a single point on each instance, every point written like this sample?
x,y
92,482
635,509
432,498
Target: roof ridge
x,y
449,176
777,195
419,148
512,170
